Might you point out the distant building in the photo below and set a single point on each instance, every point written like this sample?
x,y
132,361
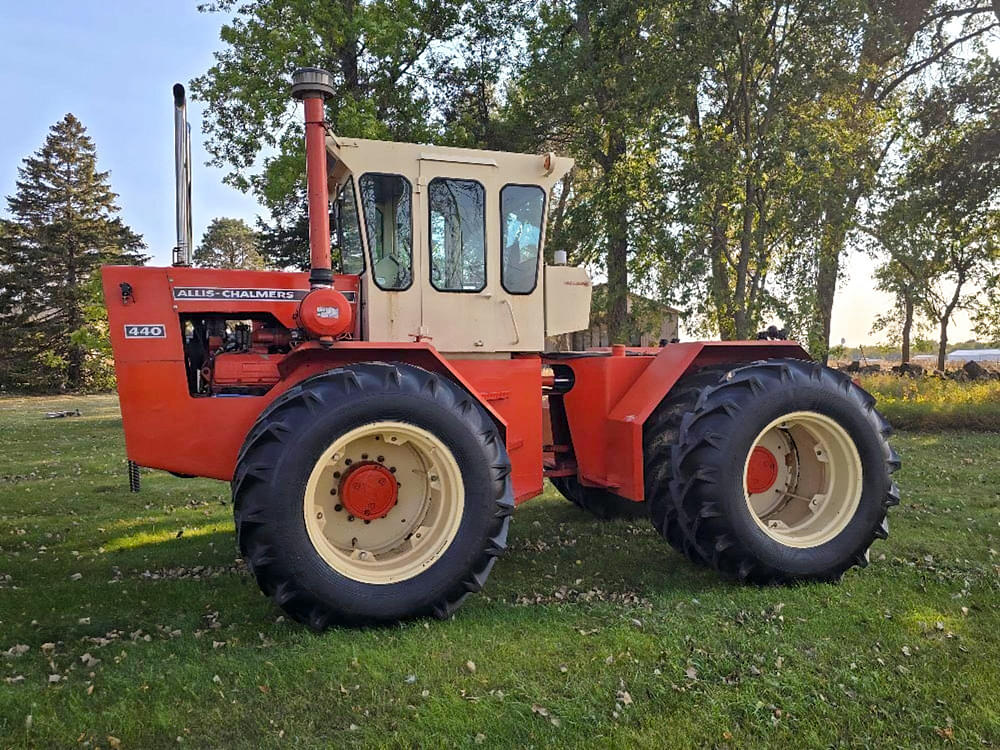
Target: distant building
x,y
974,355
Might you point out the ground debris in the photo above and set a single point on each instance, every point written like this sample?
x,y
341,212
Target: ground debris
x,y
566,594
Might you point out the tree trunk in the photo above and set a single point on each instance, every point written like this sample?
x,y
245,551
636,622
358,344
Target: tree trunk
x,y
617,311
946,317
826,288
943,343
616,227
839,216
907,328
721,293
741,321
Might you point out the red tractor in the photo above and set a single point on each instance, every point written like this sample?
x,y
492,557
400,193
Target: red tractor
x,y
379,425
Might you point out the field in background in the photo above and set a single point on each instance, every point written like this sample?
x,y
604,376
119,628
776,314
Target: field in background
x,y
931,403
127,622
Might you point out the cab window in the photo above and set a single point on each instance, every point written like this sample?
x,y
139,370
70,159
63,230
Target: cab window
x,y
521,210
348,235
457,235
388,208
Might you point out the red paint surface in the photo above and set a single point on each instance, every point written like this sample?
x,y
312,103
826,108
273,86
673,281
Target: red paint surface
x,y
762,470
368,491
316,178
325,313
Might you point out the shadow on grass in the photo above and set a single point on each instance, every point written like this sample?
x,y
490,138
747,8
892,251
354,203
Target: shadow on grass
x,y
149,578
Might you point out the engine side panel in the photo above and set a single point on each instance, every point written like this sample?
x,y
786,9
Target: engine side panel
x,y
167,426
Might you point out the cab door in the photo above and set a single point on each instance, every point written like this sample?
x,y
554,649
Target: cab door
x,y
461,308
520,239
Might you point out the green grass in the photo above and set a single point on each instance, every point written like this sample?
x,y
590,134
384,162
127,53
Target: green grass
x,y
588,634
931,403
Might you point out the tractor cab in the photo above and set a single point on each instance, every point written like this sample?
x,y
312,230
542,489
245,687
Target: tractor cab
x,y
448,244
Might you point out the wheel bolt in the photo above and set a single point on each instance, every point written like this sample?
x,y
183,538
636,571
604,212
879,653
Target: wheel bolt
x,y
350,518
338,508
364,456
347,462
319,515
380,459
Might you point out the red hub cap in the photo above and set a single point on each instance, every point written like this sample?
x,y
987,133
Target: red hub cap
x,y
368,491
762,470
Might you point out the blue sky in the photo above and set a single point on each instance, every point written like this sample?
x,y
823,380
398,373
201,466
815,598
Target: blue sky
x,y
112,63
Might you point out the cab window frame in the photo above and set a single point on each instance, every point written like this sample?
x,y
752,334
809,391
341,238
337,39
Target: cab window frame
x,y
364,215
541,235
430,255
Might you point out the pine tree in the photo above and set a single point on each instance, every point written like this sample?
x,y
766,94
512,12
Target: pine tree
x,y
229,243
64,225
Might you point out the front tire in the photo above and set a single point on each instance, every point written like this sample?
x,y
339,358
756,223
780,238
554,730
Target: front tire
x,y
372,493
775,472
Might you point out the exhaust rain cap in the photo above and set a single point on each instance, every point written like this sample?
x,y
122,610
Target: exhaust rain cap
x,y
312,82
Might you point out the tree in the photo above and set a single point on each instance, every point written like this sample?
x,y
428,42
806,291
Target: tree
x,y
394,63
895,43
64,225
600,84
941,233
952,181
764,129
904,249
380,54
986,315
966,255
229,243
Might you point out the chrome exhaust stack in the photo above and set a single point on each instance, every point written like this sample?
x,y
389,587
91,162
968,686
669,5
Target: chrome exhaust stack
x,y
182,165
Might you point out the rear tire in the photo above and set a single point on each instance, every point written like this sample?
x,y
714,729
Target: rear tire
x,y
324,565
605,505
660,433
810,513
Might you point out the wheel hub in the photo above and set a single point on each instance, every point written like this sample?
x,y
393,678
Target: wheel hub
x,y
762,470
803,479
368,491
384,501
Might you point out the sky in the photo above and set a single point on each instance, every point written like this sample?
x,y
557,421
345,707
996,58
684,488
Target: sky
x,y
112,63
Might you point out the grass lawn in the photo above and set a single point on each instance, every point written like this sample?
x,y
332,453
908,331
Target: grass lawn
x,y
142,630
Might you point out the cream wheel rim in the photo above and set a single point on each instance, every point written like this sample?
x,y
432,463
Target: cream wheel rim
x,y
802,479
418,528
